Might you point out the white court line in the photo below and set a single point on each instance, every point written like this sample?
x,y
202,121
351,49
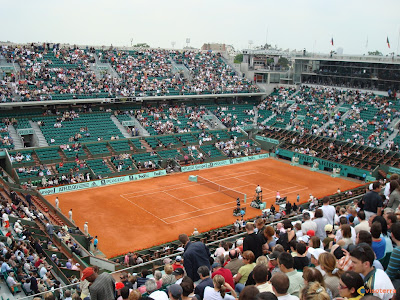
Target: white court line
x,y
200,209
295,191
181,200
144,210
282,179
188,183
164,191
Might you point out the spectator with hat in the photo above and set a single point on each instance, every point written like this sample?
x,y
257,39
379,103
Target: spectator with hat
x,y
330,237
178,273
102,286
217,268
315,253
177,263
174,292
273,262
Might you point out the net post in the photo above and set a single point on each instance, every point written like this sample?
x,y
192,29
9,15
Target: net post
x,y
245,198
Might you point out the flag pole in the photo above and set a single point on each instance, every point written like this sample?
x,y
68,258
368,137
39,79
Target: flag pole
x,y
398,42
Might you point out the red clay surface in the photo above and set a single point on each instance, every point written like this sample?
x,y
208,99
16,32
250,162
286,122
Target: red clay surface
x,y
141,214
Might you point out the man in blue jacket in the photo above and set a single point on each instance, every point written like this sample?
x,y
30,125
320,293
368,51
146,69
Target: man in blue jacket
x,y
196,254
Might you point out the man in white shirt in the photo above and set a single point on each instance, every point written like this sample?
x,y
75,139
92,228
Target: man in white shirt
x,y
328,210
280,286
362,259
308,224
12,283
86,228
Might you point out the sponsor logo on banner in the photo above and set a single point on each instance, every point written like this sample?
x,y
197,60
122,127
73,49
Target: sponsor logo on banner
x,y
103,182
223,162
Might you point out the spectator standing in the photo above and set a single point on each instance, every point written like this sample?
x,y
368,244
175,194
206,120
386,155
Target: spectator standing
x,y
328,210
252,241
308,224
86,228
70,215
373,201
196,254
321,222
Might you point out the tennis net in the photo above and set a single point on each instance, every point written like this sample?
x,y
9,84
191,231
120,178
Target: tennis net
x,y
222,189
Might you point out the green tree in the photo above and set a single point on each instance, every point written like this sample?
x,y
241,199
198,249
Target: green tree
x,y
376,53
283,62
238,59
141,45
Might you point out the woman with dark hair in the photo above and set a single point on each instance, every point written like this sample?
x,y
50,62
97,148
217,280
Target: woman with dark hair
x,y
286,237
385,234
321,221
349,284
394,198
346,233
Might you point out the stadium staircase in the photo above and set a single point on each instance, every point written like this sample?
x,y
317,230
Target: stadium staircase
x,y
142,130
120,127
18,144
181,68
146,145
390,138
101,66
39,134
212,121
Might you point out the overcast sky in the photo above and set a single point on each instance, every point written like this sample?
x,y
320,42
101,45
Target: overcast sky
x,y
294,24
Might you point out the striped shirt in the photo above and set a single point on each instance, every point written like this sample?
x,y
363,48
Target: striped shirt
x,y
394,263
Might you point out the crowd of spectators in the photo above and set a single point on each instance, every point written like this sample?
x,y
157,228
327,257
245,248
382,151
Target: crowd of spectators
x,y
167,119
48,71
345,252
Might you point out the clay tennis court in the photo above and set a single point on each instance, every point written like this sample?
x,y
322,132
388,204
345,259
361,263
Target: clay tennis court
x,y
141,214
